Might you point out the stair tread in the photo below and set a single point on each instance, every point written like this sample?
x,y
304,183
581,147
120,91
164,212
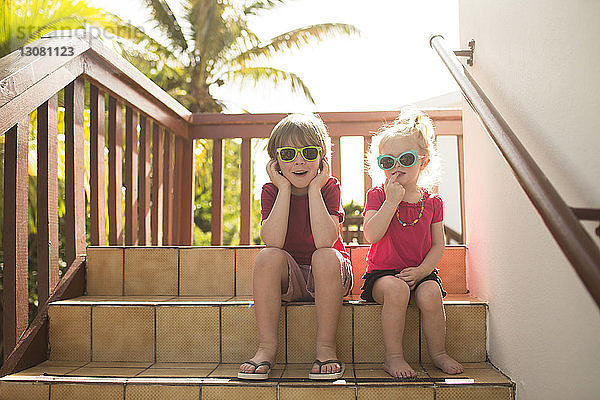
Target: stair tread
x,y
450,299
198,373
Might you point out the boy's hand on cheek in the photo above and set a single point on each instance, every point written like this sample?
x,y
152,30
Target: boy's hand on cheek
x,y
321,178
393,191
277,177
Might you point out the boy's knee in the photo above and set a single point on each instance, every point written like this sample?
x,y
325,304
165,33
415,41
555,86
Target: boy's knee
x,y
269,257
325,259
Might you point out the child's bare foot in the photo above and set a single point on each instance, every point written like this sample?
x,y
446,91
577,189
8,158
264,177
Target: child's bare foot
x,y
447,364
398,368
259,357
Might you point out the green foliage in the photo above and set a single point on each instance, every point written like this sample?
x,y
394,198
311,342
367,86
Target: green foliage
x,y
231,200
353,208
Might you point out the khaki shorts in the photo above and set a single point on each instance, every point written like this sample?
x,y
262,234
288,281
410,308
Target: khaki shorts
x,y
301,286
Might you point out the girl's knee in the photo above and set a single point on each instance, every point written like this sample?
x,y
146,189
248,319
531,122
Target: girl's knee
x,y
392,290
428,296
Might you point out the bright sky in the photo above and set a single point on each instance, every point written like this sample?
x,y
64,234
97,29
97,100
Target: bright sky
x,y
388,66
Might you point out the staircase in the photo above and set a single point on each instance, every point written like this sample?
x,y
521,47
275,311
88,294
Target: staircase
x,y
176,322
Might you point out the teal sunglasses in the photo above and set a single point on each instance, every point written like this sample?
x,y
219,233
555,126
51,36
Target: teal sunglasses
x,y
406,159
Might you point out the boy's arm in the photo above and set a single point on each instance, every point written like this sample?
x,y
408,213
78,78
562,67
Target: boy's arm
x,y
413,275
274,228
324,226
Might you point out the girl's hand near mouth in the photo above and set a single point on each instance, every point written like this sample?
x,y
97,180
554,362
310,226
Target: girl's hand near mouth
x,y
394,191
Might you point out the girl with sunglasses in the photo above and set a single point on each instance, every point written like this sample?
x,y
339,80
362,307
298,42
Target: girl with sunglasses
x,y
403,222
305,258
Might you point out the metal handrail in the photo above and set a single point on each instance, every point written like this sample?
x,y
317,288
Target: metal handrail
x,y
579,248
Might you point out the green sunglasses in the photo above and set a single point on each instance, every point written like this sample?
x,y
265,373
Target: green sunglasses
x,y
288,154
406,159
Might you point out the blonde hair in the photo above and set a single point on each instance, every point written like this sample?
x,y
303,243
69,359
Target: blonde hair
x,y
410,123
301,130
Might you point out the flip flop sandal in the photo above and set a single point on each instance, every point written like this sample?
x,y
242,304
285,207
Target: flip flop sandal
x,y
257,376
324,375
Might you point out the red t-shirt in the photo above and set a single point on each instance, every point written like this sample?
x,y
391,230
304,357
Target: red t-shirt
x,y
403,246
299,239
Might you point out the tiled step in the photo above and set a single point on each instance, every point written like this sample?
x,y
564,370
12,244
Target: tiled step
x,y
223,329
213,271
136,381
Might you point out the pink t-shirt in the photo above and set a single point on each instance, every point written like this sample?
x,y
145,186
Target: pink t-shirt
x,y
299,240
403,246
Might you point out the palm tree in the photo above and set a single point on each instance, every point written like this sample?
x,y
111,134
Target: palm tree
x,y
216,46
219,48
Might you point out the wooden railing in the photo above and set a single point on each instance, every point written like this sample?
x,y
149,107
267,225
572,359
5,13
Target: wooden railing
x,y
117,90
339,124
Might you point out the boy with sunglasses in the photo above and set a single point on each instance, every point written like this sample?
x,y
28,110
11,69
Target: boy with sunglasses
x,y
305,258
404,224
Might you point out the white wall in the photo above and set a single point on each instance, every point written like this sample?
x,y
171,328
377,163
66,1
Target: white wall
x,y
539,62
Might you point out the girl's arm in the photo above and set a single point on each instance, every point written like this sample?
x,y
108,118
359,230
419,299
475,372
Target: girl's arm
x,y
273,229
376,222
324,226
438,243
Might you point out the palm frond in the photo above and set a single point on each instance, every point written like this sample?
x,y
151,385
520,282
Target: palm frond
x,y
167,22
256,75
295,39
261,5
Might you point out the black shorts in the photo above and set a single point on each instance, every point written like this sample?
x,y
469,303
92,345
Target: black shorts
x,y
371,277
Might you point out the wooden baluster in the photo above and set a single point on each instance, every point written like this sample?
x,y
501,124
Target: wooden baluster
x,y
186,215
47,198
157,184
367,177
16,186
115,171
131,187
246,192
216,222
145,237
176,198
184,183
167,190
75,241
97,188
336,158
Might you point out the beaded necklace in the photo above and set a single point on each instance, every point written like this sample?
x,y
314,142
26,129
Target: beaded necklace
x,y
418,217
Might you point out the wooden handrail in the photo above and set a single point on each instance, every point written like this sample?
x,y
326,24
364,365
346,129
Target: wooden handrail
x,y
576,244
